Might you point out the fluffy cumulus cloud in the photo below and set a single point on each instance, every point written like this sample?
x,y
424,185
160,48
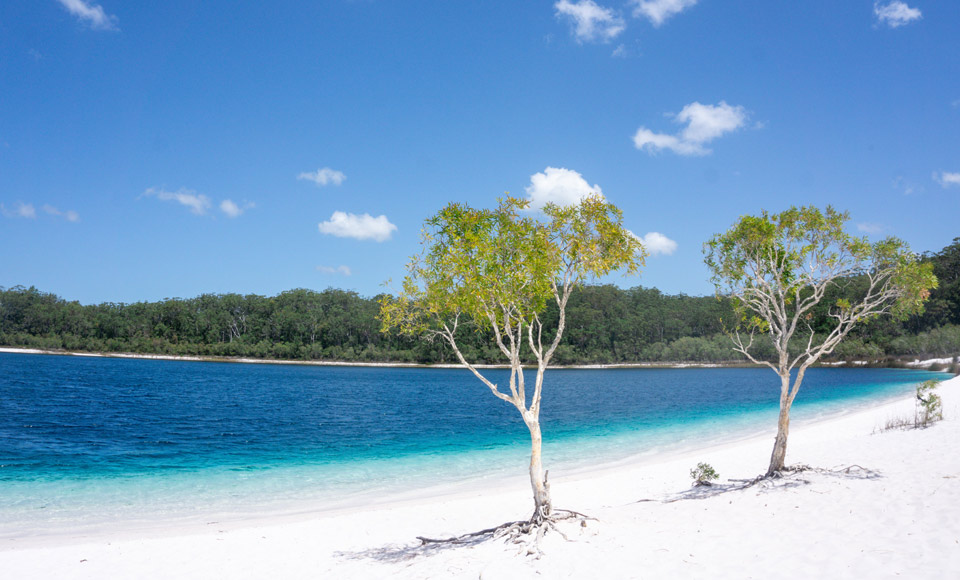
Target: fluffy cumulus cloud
x,y
947,179
704,123
19,210
657,244
360,227
197,203
657,11
232,210
324,176
90,14
589,21
895,14
345,270
558,186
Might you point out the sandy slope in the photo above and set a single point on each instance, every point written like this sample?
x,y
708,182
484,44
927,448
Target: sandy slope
x,y
896,515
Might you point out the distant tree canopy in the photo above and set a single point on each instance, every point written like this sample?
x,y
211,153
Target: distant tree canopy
x,y
604,324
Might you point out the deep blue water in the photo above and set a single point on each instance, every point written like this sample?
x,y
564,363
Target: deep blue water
x,y
123,437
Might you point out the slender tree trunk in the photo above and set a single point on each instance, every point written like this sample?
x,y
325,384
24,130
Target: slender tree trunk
x,y
542,505
783,429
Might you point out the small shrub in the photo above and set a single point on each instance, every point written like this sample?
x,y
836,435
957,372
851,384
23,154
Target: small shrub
x,y
703,474
929,409
929,404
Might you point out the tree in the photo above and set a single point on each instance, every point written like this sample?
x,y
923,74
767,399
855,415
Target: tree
x,y
778,267
497,270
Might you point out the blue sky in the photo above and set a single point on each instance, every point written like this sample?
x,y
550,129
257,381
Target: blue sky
x,y
168,149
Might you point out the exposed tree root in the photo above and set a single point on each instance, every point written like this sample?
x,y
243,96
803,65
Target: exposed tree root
x,y
528,533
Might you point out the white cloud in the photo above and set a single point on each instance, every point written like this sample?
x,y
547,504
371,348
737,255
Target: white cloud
x,y
946,179
324,176
590,21
345,270
90,14
360,227
704,124
233,210
558,186
69,215
870,227
198,203
20,210
657,244
895,14
907,187
657,11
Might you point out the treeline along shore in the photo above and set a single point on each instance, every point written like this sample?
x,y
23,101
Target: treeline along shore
x,y
605,325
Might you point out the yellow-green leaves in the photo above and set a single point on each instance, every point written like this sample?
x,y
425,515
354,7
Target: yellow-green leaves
x,y
498,264
778,266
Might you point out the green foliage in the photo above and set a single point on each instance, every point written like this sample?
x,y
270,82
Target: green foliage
x,y
929,404
500,267
604,324
778,269
703,474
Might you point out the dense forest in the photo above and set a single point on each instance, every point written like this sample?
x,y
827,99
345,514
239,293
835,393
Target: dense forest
x,y
605,324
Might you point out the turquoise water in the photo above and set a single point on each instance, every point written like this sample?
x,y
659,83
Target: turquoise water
x,y
87,440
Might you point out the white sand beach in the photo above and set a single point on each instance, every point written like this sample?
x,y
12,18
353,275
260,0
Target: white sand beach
x,y
878,505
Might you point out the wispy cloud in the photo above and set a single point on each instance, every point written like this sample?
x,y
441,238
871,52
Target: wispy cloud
x,y
947,179
658,11
589,21
871,228
197,203
657,244
895,14
20,210
906,186
955,104
90,14
704,124
559,186
345,270
324,176
232,210
69,215
28,211
360,227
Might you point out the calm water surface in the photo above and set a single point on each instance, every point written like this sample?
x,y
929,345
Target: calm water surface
x,y
86,439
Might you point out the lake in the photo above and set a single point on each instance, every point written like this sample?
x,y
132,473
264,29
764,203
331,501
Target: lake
x,y
90,439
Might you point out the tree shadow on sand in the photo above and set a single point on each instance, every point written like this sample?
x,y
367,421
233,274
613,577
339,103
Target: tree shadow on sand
x,y
790,477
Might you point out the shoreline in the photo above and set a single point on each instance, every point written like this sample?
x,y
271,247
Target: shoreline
x,y
731,531
916,363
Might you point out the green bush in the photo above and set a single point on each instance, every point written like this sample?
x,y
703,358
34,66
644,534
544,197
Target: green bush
x,y
929,404
703,474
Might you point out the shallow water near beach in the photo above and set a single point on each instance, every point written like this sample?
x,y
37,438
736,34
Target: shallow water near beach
x,y
90,440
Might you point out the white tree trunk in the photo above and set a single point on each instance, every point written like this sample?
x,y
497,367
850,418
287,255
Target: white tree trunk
x,y
783,427
542,506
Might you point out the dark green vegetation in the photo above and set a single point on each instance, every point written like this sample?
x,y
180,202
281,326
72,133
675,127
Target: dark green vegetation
x,y
604,325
